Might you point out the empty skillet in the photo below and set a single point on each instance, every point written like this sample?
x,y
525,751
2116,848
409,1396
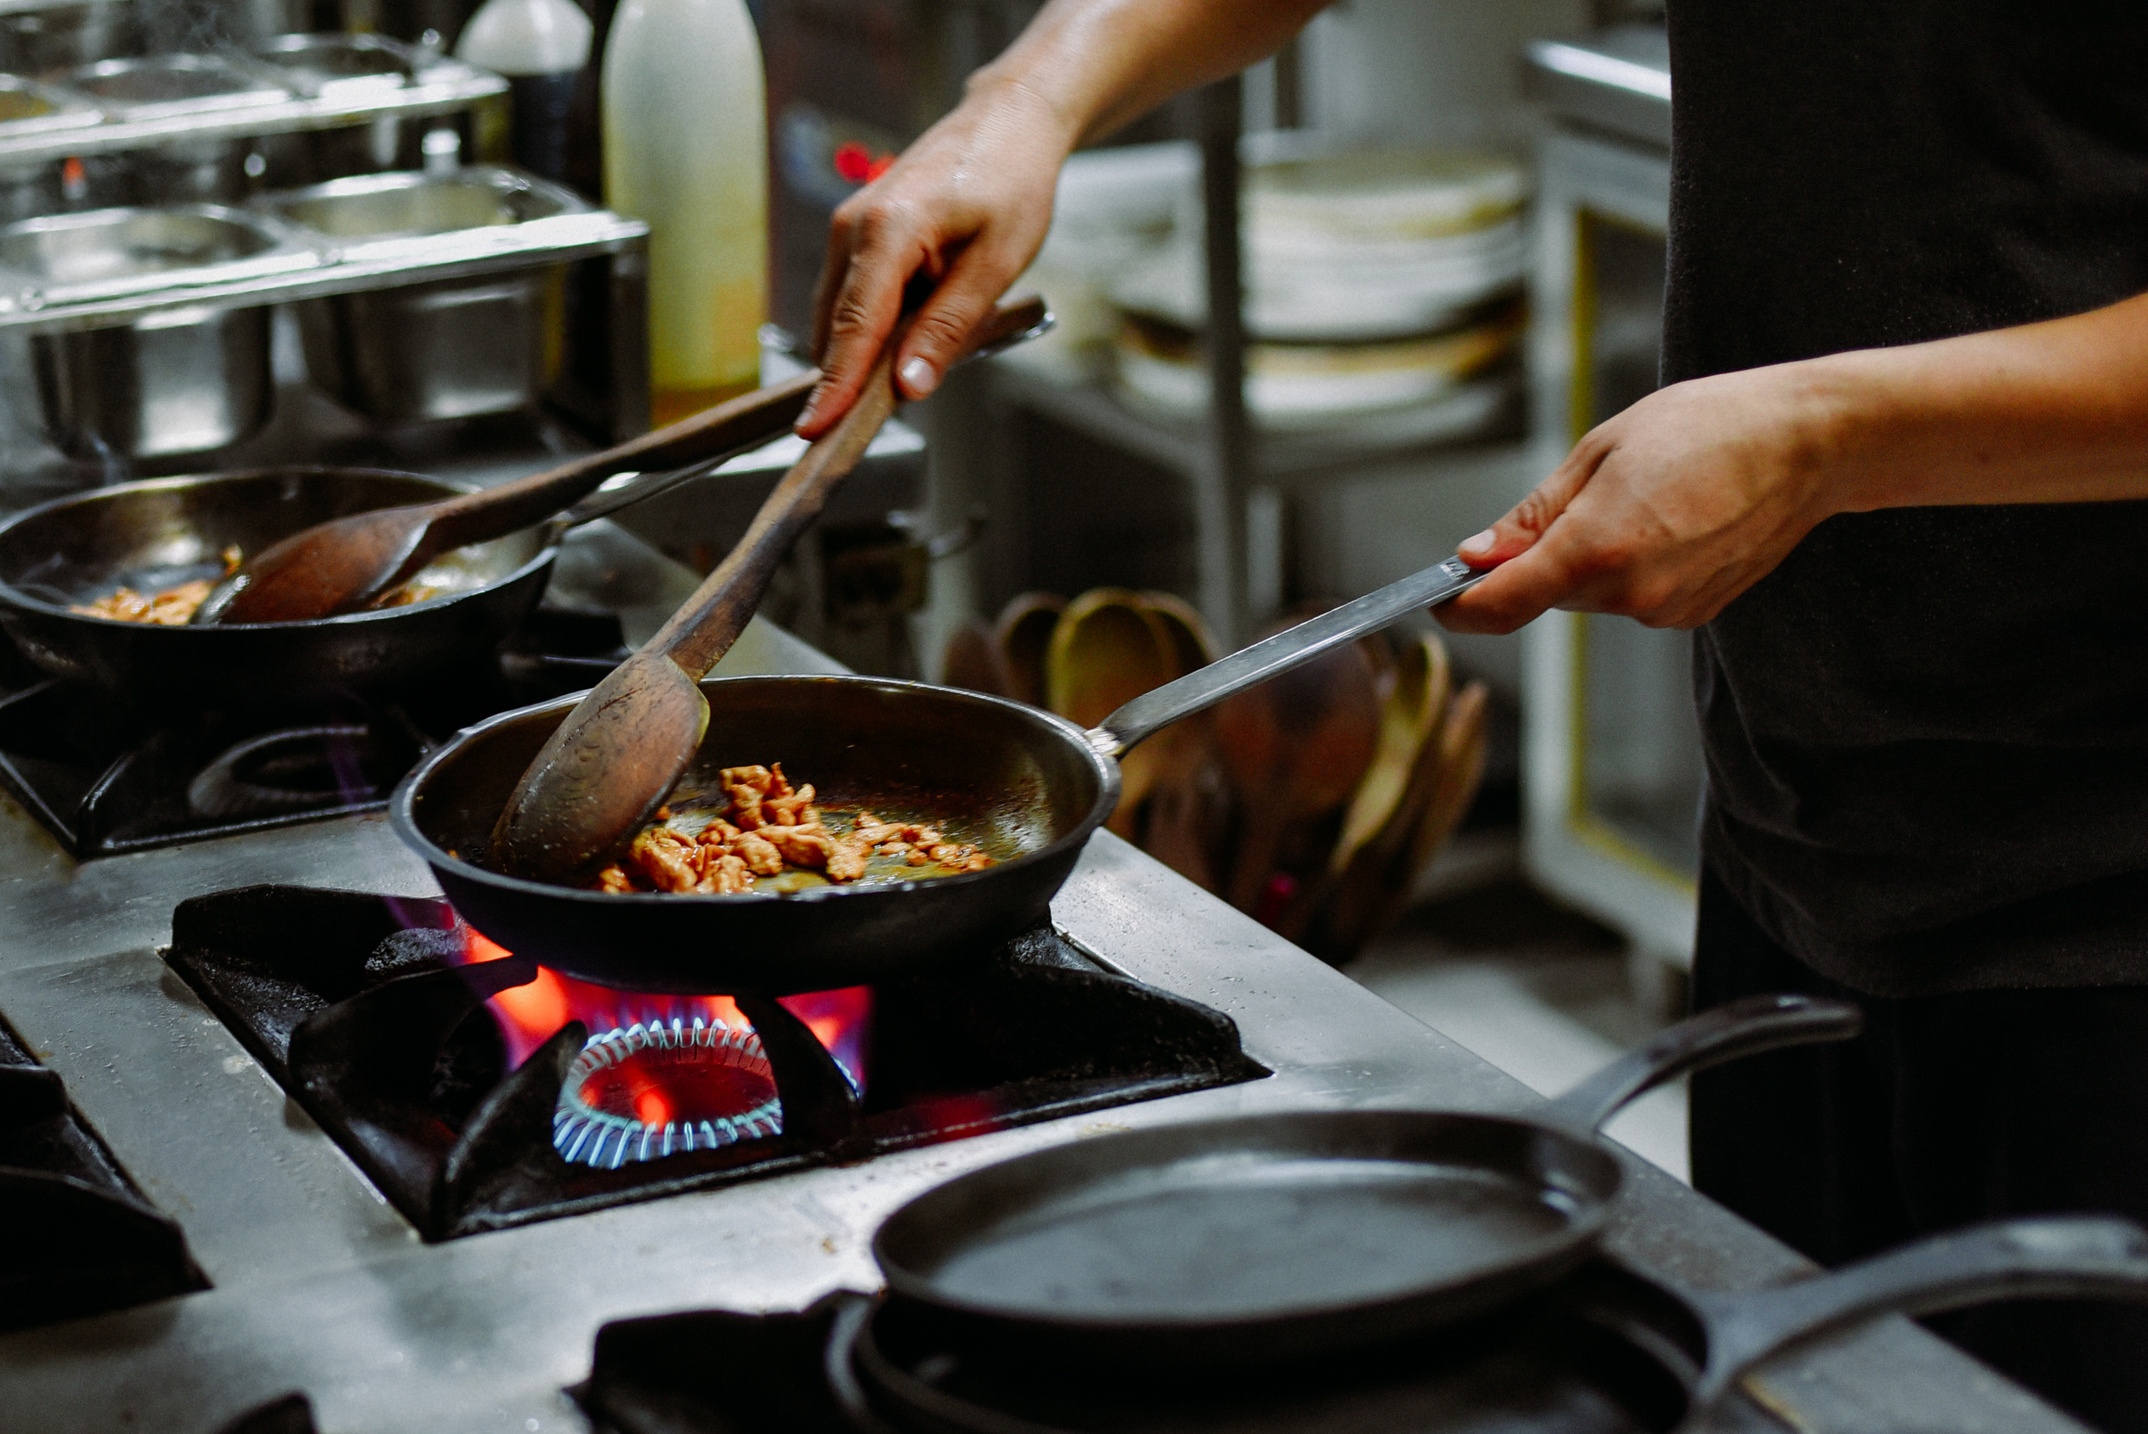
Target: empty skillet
x,y
1238,1240
1607,1352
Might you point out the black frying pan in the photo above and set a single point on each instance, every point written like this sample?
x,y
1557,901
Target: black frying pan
x,y
1234,1241
1026,785
1607,1352
160,532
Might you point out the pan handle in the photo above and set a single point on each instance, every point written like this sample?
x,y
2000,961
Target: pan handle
x,y
2045,1257
1250,666
1742,1028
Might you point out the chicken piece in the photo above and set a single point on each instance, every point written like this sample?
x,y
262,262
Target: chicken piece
x,y
977,863
719,833
924,836
728,876
951,851
666,858
847,859
801,846
917,858
174,606
756,779
759,854
791,811
779,786
614,879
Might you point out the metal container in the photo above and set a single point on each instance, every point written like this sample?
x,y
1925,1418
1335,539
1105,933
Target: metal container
x,y
424,352
27,107
211,170
175,382
358,70
39,36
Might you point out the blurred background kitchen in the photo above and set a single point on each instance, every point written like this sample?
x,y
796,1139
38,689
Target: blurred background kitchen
x,y
1317,325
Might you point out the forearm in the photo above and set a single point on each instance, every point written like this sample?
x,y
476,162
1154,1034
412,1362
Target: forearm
x,y
1096,64
2053,412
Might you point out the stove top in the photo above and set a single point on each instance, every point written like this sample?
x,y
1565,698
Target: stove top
x,y
369,1011
379,1262
103,784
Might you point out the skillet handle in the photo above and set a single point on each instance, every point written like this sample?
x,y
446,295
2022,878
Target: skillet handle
x,y
1202,689
1742,1028
839,1364
2046,1257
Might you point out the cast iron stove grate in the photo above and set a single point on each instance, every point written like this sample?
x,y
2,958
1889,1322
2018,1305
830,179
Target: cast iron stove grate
x,y
80,1238
362,1006
105,779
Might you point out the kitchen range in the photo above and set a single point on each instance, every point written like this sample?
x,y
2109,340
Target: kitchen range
x,y
323,1164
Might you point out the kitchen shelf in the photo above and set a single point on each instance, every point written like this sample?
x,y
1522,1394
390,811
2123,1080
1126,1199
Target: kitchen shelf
x,y
1279,459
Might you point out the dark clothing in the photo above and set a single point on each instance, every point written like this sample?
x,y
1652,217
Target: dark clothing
x,y
1950,1109
1927,731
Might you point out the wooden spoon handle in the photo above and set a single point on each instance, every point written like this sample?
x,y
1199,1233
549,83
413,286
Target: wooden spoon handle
x,y
510,507
702,630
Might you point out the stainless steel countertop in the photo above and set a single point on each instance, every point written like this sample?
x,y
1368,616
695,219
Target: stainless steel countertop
x,y
320,1286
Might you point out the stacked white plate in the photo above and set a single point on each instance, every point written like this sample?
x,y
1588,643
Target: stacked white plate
x,y
1374,281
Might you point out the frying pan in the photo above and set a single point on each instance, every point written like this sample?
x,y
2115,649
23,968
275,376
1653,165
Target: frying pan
x,y
1027,786
1239,1240
1609,1351
163,531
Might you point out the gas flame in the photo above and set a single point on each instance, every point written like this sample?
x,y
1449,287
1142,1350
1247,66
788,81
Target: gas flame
x,y
529,1015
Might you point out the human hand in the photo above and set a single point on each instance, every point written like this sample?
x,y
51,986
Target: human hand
x,y
966,207
1668,510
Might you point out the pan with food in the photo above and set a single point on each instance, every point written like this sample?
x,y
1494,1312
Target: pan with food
x,y
1024,787
98,586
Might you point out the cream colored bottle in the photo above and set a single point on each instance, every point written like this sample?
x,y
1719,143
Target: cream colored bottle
x,y
685,149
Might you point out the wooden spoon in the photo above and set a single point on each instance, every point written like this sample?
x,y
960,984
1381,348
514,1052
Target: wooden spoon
x,y
605,770
347,564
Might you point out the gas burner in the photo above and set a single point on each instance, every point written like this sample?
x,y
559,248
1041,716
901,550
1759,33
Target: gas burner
x,y
658,1088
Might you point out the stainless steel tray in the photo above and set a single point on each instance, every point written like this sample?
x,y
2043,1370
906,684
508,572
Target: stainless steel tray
x,y
294,85
305,263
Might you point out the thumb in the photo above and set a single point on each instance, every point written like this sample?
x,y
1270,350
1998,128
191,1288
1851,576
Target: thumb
x,y
1526,521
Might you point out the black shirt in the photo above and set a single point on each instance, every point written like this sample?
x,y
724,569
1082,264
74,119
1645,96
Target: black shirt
x,y
1927,731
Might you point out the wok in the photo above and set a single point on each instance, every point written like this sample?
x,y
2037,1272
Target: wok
x,y
1609,1351
1240,1240
163,531
1027,786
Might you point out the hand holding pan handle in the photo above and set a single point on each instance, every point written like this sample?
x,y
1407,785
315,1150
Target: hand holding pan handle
x,y
1742,1028
2046,1257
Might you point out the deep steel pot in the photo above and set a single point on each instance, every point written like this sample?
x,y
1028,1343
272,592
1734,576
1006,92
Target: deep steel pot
x,y
425,352
171,385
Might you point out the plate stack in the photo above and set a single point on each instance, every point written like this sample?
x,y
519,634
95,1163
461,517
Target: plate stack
x,y
1381,287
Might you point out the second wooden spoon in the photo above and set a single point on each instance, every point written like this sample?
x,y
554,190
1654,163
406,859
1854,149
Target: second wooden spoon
x,y
605,770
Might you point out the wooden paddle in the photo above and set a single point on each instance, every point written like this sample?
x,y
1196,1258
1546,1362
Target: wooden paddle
x,y
348,564
605,770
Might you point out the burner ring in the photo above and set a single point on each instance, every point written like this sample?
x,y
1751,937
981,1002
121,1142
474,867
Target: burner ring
x,y
584,1132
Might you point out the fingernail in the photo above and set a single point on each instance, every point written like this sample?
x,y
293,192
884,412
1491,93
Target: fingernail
x,y
918,379
1481,543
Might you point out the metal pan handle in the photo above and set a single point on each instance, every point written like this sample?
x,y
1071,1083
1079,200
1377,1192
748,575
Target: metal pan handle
x,y
1742,1028
1251,666
2048,1257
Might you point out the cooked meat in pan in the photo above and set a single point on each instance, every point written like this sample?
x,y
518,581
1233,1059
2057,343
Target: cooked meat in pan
x,y
769,829
173,606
